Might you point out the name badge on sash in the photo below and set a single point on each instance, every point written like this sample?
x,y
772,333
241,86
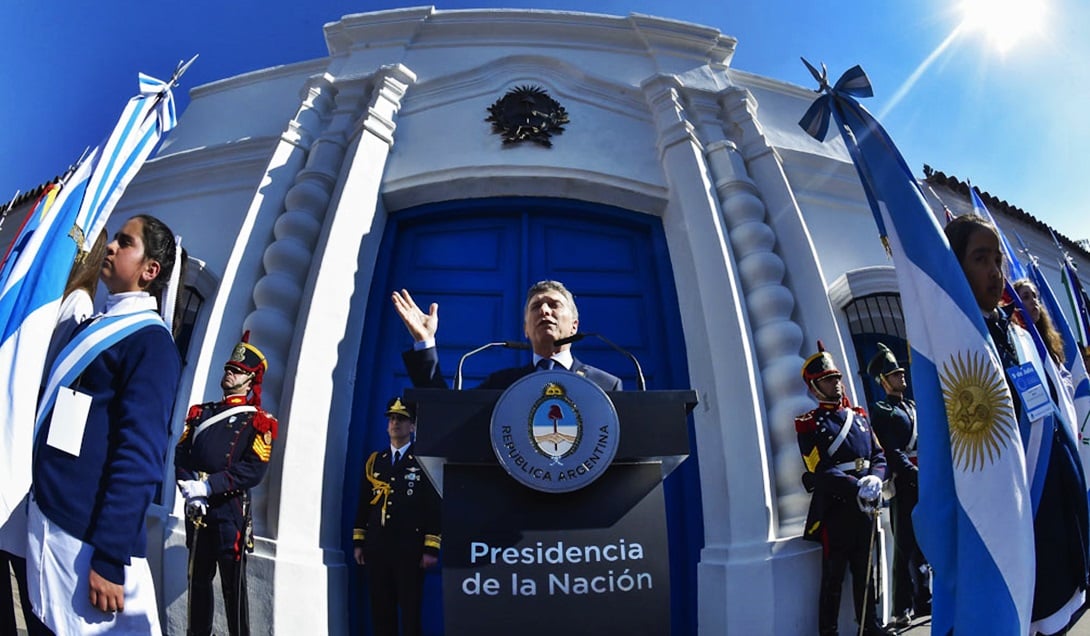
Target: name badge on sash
x,y
1028,384
69,421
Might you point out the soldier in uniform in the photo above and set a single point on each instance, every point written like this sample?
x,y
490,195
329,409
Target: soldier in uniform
x,y
223,453
397,527
894,421
844,471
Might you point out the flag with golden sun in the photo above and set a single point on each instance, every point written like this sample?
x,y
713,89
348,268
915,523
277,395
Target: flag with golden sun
x,y
974,520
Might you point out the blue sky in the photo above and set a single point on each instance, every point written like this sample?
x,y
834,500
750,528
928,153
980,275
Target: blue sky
x,y
1013,122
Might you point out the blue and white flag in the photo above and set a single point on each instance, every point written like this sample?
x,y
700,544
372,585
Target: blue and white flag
x,y
1076,302
32,288
1014,266
1074,335
974,518
1073,362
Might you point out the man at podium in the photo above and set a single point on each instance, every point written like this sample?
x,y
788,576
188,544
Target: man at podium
x,y
550,314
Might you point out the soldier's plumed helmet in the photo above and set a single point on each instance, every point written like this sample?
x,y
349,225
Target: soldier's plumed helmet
x,y
882,364
819,365
398,407
248,358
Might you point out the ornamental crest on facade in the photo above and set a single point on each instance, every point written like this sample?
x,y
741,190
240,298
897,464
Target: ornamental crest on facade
x,y
527,113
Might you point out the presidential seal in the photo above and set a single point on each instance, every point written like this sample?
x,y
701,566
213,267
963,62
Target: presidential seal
x,y
555,431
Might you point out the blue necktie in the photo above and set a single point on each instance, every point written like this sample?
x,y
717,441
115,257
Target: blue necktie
x,y
397,457
545,364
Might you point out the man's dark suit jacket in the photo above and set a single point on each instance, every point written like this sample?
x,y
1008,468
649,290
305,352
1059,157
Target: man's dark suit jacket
x,y
423,369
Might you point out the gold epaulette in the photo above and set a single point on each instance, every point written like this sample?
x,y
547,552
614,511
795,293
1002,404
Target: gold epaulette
x,y
432,541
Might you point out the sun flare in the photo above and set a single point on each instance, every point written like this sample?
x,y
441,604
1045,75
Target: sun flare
x,y
1004,23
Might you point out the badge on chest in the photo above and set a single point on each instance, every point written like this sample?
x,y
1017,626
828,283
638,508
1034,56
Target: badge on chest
x,y
412,477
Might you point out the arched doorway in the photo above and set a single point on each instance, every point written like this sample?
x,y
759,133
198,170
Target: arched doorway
x,y
476,258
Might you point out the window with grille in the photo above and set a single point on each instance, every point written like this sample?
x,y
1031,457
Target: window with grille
x,y
872,319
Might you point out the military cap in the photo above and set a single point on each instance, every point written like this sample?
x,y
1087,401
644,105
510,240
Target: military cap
x,y
248,358
819,365
882,364
396,407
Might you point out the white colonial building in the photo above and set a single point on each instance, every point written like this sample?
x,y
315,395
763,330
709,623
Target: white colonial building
x,y
697,224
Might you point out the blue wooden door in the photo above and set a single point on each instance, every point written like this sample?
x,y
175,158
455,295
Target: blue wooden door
x,y
476,259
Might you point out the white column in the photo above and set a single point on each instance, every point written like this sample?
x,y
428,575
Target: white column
x,y
226,321
730,429
311,574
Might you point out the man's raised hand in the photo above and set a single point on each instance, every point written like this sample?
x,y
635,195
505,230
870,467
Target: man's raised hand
x,y
421,326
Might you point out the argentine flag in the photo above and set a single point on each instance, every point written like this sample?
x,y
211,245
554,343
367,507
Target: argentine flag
x,y
974,518
33,283
1013,264
1072,361
1076,299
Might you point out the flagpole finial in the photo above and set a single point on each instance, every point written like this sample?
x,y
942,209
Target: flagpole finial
x,y
821,78
1024,249
180,70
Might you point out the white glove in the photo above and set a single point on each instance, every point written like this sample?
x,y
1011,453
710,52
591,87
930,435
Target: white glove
x,y
870,488
196,507
192,488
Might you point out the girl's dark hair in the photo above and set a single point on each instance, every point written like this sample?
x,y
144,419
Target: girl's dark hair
x,y
158,246
960,228
179,294
87,268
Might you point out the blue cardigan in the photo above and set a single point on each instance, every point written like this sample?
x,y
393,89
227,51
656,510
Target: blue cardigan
x,y
101,496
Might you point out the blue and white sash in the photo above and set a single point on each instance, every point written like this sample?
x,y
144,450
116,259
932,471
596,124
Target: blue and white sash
x,y
74,358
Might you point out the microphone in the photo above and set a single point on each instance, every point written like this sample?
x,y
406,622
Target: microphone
x,y
507,344
641,384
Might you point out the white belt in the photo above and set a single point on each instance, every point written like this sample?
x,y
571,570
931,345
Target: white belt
x,y
858,464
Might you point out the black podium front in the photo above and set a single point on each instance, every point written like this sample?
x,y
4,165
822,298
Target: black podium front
x,y
521,561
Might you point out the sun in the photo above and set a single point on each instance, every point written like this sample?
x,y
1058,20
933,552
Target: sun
x,y
977,409
1004,23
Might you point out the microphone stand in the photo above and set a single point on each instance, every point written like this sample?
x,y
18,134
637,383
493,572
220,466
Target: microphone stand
x,y
507,344
641,384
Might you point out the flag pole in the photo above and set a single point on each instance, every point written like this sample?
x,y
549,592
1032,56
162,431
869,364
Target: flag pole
x,y
945,208
170,84
11,204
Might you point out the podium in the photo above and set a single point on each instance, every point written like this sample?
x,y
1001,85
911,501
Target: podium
x,y
521,561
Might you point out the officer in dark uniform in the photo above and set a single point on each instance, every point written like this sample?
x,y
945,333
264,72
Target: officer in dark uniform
x,y
224,451
844,470
397,527
894,422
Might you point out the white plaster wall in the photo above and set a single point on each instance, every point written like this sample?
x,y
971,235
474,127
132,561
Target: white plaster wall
x,y
253,105
604,142
836,211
